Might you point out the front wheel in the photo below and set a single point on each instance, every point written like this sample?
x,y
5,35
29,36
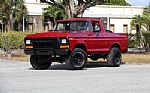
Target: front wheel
x,y
40,62
77,59
114,57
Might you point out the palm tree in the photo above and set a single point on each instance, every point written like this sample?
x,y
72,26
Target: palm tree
x,y
20,11
146,16
147,10
12,10
54,12
1,14
137,22
146,24
8,11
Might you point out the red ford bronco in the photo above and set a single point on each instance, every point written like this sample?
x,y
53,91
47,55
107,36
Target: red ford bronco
x,y
73,41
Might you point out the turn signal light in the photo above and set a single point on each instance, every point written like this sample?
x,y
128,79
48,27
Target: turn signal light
x,y
29,46
64,46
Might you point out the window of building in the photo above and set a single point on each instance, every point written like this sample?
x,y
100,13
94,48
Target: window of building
x,y
30,26
112,27
125,28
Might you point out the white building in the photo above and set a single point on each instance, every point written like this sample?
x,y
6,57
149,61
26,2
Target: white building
x,y
35,20
118,17
34,7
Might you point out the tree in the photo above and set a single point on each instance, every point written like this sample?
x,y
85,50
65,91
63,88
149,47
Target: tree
x,y
54,12
137,22
12,10
146,17
147,10
20,11
116,2
146,22
73,8
6,13
142,21
2,15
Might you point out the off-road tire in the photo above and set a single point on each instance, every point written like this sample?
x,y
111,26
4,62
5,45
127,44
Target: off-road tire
x,y
114,57
77,59
40,62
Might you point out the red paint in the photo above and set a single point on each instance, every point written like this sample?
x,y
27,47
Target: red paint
x,y
95,42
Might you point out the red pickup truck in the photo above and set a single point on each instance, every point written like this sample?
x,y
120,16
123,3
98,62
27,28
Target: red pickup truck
x,y
73,41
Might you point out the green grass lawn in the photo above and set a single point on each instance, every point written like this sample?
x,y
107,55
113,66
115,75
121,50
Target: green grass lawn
x,y
136,58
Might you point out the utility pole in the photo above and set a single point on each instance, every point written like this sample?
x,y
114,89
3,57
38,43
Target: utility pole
x,y
23,24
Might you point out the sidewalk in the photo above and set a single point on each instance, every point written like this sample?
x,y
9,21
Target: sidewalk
x,y
136,50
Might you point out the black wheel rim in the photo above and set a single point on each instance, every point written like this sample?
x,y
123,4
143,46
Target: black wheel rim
x,y
78,59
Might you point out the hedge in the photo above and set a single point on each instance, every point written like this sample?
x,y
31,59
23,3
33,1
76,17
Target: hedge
x,y
0,40
144,40
12,40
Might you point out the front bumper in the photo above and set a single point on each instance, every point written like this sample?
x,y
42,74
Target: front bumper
x,y
47,51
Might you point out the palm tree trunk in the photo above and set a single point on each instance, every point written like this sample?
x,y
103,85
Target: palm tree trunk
x,y
10,23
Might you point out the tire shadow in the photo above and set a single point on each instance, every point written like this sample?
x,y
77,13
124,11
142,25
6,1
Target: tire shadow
x,y
89,65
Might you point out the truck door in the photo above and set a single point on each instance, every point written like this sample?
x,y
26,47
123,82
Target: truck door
x,y
94,43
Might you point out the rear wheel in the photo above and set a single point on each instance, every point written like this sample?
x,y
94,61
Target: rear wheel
x,y
77,59
40,62
114,57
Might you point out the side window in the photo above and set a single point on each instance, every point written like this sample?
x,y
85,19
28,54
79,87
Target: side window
x,y
96,26
60,27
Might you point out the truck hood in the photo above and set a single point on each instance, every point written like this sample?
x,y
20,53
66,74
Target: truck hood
x,y
48,34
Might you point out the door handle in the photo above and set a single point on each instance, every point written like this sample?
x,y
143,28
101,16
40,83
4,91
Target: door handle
x,y
89,34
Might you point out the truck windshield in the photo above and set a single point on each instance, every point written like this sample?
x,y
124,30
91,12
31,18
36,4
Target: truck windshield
x,y
72,26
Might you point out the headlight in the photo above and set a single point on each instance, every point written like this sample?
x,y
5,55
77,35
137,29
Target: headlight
x,y
63,41
28,42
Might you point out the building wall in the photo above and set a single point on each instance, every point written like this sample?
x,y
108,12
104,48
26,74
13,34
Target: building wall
x,y
35,20
119,23
35,23
119,17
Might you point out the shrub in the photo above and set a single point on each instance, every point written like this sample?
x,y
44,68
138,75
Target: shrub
x,y
132,41
0,40
13,40
146,41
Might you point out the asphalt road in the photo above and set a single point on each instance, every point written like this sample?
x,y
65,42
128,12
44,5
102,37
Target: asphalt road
x,y
19,77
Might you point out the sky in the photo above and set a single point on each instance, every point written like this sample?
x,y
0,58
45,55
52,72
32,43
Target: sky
x,y
139,2
132,2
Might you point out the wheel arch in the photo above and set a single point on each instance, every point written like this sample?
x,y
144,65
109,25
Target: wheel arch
x,y
117,45
82,46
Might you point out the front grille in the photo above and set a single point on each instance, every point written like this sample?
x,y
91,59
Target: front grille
x,y
45,43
